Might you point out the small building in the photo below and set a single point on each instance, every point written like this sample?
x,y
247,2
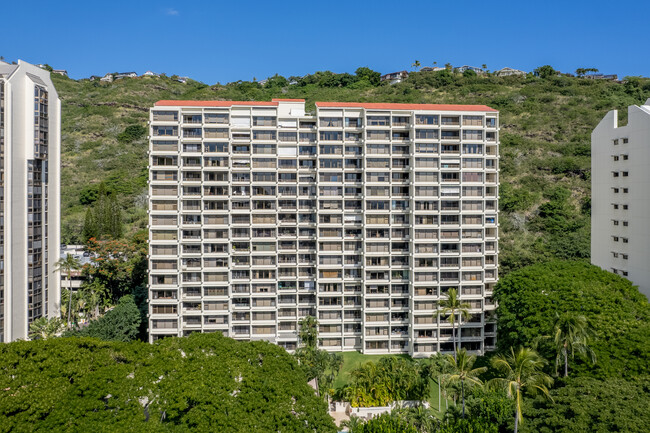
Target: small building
x,y
125,75
150,74
610,77
60,72
507,72
464,68
432,69
95,77
108,78
75,279
182,79
395,77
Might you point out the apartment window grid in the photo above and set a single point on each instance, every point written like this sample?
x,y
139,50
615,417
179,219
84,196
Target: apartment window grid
x,y
350,215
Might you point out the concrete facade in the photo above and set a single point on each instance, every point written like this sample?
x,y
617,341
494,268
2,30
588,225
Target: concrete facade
x,y
620,201
362,215
30,131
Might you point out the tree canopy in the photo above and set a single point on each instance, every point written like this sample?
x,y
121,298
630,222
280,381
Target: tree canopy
x,y
122,323
202,383
529,299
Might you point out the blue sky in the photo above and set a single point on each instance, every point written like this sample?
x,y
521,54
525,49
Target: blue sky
x,y
222,41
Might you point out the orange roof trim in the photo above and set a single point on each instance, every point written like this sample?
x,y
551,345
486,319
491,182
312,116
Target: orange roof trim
x,y
170,103
366,105
386,106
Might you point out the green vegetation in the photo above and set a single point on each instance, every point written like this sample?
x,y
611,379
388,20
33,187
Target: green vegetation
x,y
321,365
587,404
121,323
545,123
390,379
202,383
616,312
521,371
354,360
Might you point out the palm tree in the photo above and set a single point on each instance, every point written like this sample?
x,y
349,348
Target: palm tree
x,y
462,372
521,371
452,306
571,334
416,65
44,328
67,265
308,332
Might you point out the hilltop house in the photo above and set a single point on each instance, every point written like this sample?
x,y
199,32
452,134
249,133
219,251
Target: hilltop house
x,y
464,68
108,78
432,69
506,72
125,75
395,77
60,72
150,74
611,77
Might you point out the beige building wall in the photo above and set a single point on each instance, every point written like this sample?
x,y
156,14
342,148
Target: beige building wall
x,y
362,215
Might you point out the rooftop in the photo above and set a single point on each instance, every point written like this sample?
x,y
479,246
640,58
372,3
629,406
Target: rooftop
x,y
366,105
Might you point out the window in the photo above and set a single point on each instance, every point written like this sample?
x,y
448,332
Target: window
x,y
615,190
615,238
625,141
626,157
625,174
615,142
625,190
615,206
625,223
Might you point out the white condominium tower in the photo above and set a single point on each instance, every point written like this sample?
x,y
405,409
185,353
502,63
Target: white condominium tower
x,y
620,195
30,131
363,215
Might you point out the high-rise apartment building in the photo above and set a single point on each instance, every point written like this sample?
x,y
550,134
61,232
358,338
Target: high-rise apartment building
x,y
30,131
363,215
620,201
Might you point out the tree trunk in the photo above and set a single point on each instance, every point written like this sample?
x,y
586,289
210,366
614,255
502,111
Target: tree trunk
x,y
70,300
459,332
453,338
566,363
516,419
462,390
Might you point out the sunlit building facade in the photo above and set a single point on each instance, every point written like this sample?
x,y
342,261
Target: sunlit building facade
x,y
30,124
362,215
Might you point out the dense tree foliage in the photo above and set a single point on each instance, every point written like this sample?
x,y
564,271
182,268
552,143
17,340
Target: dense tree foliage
x,y
104,218
388,380
203,383
591,405
321,365
121,323
118,266
530,298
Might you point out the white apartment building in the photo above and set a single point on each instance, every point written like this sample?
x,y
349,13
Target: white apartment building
x,y
361,214
620,201
30,143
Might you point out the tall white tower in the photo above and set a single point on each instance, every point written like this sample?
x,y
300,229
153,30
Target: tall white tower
x,y
620,196
30,143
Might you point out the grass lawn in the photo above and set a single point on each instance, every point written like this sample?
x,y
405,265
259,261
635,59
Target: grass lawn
x,y
352,360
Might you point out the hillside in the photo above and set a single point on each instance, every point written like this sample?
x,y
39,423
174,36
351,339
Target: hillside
x,y
545,142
